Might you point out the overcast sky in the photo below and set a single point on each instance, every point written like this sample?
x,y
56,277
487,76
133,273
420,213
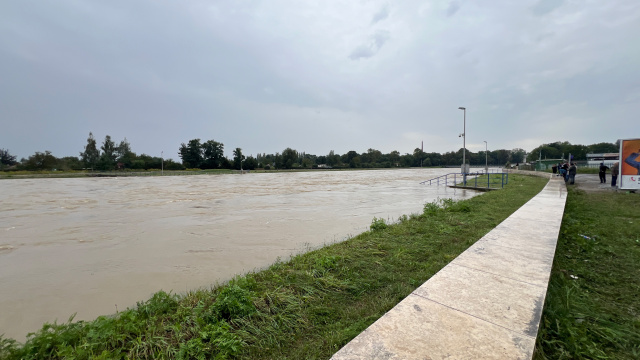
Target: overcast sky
x,y
317,75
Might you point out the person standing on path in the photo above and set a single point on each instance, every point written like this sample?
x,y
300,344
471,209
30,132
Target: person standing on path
x,y
615,169
572,173
603,173
563,171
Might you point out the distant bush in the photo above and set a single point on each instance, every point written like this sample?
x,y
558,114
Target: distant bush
x,y
431,208
378,224
161,303
234,302
448,205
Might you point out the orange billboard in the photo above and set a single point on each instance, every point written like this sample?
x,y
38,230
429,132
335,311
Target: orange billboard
x,y
630,164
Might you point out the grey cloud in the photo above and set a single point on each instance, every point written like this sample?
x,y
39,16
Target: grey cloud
x,y
372,47
453,8
161,73
544,7
541,38
381,15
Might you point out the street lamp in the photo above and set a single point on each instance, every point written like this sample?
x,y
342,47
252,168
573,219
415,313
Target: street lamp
x,y
464,146
486,161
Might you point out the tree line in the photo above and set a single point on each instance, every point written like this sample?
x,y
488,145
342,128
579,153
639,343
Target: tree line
x,y
561,150
197,154
109,156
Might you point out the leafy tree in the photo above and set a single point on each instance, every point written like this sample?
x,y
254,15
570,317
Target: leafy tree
x,y
289,158
191,154
40,161
452,158
169,164
91,154
250,163
145,161
502,156
407,160
603,147
307,162
277,161
435,158
394,158
213,152
517,156
124,154
355,162
374,156
333,159
6,159
238,158
109,154
419,157
69,163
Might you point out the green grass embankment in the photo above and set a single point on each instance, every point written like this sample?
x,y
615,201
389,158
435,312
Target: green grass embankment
x,y
305,308
592,309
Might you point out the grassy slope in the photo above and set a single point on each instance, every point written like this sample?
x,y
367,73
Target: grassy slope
x,y
592,309
306,308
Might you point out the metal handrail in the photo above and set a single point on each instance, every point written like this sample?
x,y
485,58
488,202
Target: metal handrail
x,y
491,180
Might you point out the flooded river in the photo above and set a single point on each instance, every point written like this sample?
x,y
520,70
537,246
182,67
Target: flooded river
x,y
91,245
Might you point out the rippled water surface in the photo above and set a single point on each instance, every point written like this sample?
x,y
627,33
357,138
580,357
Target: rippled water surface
x,y
89,246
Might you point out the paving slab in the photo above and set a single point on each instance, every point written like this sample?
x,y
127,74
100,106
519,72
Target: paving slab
x,y
518,237
418,329
506,302
515,263
486,304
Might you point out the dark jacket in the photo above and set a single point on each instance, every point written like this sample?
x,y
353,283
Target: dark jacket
x,y
572,170
603,168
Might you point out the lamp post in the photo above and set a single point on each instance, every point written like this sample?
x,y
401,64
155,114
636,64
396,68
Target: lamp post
x,y
486,158
464,145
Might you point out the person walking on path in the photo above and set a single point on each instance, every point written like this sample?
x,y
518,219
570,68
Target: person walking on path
x,y
603,173
615,169
572,173
554,168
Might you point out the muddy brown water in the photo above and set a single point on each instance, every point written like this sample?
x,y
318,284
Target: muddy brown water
x,y
91,246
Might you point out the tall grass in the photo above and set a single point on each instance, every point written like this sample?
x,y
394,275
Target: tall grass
x,y
305,308
592,310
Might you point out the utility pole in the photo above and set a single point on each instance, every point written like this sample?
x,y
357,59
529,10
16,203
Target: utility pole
x,y
464,146
486,158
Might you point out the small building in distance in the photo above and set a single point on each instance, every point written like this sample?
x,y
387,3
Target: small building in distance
x,y
607,158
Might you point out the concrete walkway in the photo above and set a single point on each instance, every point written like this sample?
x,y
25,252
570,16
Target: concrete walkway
x,y
486,304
